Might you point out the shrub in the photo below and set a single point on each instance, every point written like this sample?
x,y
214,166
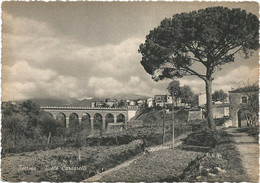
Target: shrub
x,y
202,138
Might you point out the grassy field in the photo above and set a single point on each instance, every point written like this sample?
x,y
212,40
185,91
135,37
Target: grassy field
x,y
62,164
221,163
218,162
160,165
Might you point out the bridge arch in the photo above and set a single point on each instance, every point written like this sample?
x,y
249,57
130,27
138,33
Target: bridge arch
x,y
243,117
86,121
49,114
120,118
98,119
109,118
73,120
61,119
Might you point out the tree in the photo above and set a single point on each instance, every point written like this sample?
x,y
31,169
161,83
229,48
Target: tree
x,y
122,103
195,101
174,90
15,124
48,125
219,95
210,37
187,96
8,109
184,92
80,141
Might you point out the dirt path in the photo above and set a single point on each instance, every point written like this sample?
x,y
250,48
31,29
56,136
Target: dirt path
x,y
248,148
98,176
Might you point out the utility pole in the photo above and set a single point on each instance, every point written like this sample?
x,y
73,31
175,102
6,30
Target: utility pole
x,y
163,126
172,119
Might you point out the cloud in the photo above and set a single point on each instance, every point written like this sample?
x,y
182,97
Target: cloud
x,y
225,81
40,62
196,84
242,73
21,81
45,64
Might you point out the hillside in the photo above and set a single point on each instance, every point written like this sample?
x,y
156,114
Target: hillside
x,y
152,116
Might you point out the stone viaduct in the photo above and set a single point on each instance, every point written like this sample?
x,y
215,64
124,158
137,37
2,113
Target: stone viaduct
x,y
98,118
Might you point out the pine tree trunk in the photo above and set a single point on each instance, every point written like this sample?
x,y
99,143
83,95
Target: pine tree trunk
x,y
49,138
211,122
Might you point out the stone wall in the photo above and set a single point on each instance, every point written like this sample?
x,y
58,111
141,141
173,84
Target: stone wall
x,y
220,111
195,115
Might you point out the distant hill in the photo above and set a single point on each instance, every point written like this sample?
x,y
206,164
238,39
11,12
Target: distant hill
x,y
132,97
79,103
51,101
85,102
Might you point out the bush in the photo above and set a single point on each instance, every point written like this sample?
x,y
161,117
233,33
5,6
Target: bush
x,y
202,138
150,135
220,121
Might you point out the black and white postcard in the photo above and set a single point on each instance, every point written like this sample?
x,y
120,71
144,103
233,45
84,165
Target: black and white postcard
x,y
130,91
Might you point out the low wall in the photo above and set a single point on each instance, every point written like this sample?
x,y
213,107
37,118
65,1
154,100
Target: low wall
x,y
195,115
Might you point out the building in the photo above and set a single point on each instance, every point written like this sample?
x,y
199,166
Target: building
x,y
202,99
132,103
93,104
100,103
150,102
169,99
240,110
141,102
160,100
111,102
220,110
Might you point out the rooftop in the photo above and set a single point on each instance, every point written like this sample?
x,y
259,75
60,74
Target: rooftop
x,y
253,88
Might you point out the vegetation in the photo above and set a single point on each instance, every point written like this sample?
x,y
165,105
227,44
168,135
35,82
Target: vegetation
x,y
61,164
187,95
25,127
184,93
210,37
221,163
175,90
251,131
219,95
159,166
218,161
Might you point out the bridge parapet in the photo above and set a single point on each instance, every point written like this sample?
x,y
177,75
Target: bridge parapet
x,y
93,108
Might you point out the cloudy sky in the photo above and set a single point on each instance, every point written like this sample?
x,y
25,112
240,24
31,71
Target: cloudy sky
x,y
86,49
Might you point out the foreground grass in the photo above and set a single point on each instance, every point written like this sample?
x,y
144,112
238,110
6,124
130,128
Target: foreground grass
x,y
219,160
160,165
224,157
61,164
